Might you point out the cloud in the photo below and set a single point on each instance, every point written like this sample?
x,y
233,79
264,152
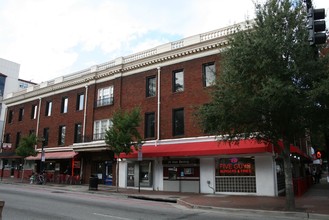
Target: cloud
x,y
53,38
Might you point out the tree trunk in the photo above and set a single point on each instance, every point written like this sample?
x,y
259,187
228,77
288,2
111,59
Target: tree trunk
x,y
117,175
290,197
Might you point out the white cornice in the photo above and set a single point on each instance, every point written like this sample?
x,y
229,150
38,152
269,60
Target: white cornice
x,y
189,48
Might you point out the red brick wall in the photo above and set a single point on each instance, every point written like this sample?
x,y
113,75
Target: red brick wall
x,y
129,91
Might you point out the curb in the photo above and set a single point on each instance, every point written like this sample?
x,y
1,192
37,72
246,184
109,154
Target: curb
x,y
252,212
157,199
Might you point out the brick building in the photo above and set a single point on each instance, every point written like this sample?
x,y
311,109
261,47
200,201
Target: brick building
x,y
168,82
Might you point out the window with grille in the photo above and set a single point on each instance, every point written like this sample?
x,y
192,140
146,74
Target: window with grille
x,y
100,128
105,96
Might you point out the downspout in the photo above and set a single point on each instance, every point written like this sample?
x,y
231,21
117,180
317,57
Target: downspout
x,y
85,115
38,119
159,105
83,134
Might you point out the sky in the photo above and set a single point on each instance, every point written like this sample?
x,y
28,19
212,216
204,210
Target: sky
x,y
51,38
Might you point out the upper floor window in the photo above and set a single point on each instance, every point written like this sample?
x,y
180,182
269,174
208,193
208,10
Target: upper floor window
x,y
7,138
178,81
80,101
34,111
45,136
178,122
100,128
18,138
78,133
64,106
2,84
10,116
21,114
61,135
150,86
209,74
150,125
105,96
49,106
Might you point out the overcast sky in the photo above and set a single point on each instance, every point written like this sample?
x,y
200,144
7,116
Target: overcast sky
x,y
51,38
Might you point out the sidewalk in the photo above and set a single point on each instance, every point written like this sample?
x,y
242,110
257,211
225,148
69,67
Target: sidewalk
x,y
314,204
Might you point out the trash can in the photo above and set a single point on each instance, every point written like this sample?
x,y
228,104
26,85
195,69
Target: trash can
x,y
93,182
108,181
2,204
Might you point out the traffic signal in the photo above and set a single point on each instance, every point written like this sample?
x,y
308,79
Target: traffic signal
x,y
318,155
316,26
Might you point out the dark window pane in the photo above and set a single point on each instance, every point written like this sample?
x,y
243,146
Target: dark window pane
x,y
149,125
178,122
150,86
178,81
209,74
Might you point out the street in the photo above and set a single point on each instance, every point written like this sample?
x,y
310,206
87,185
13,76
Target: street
x,y
33,202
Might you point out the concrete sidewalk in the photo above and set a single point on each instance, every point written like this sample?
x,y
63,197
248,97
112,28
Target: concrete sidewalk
x,y
314,204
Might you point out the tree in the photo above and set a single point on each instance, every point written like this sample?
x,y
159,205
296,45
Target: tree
x,y
123,134
26,148
267,75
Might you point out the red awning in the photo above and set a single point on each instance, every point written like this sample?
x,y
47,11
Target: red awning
x,y
54,155
202,149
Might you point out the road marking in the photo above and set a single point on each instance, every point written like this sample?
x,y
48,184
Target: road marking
x,y
112,216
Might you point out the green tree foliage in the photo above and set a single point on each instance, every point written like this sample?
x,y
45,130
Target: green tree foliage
x,y
265,83
123,134
26,146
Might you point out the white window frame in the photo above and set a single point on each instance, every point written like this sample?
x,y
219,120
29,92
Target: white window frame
x,y
100,127
105,96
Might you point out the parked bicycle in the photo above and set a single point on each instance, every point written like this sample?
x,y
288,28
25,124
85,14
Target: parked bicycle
x,y
38,178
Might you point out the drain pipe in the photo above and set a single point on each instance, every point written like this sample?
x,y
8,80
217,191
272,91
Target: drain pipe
x,y
85,114
38,120
159,105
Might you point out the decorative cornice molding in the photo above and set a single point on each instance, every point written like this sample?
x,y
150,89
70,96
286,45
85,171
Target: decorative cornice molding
x,y
191,46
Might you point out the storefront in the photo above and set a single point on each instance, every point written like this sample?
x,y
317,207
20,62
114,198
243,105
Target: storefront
x,y
235,174
181,175
140,173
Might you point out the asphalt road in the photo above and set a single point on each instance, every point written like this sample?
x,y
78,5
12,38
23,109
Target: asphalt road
x,y
33,202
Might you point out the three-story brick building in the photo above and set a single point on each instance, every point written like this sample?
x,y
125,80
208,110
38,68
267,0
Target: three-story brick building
x,y
71,113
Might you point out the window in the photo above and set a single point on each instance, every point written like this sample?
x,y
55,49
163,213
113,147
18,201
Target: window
x,y
105,96
49,105
100,128
10,116
80,101
209,74
2,84
45,136
150,86
18,138
34,111
78,133
21,114
61,135
150,125
7,138
178,122
178,81
64,106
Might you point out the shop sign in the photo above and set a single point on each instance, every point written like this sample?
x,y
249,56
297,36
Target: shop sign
x,y
235,167
181,161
